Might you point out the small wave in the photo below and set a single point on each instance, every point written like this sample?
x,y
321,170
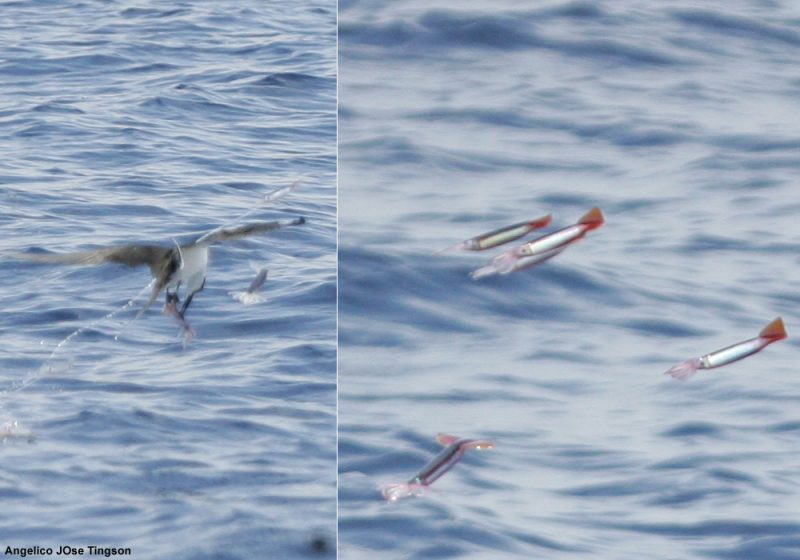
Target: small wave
x,y
728,24
762,548
289,80
153,13
387,35
575,10
694,429
662,327
513,32
504,31
717,528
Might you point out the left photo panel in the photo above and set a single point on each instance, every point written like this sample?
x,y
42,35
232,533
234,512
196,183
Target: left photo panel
x,y
168,234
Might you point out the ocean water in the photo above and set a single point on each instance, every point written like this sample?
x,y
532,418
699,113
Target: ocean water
x,y
679,120
145,122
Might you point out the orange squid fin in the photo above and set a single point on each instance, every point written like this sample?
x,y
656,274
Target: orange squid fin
x,y
775,330
544,221
592,217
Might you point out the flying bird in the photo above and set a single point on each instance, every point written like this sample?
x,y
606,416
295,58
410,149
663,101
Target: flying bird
x,y
172,267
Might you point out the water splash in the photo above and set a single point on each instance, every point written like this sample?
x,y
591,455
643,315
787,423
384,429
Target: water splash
x,y
47,366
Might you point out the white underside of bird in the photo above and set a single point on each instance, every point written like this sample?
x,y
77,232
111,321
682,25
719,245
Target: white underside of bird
x,y
191,274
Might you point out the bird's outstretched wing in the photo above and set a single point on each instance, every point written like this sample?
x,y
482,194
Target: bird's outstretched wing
x,y
129,255
228,234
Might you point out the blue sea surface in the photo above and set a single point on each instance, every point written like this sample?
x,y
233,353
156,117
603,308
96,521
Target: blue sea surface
x,y
148,122
680,121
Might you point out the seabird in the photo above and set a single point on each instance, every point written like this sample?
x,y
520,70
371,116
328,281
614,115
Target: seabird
x,y
172,267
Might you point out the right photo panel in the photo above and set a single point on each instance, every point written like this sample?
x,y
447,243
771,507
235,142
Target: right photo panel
x,y
568,280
